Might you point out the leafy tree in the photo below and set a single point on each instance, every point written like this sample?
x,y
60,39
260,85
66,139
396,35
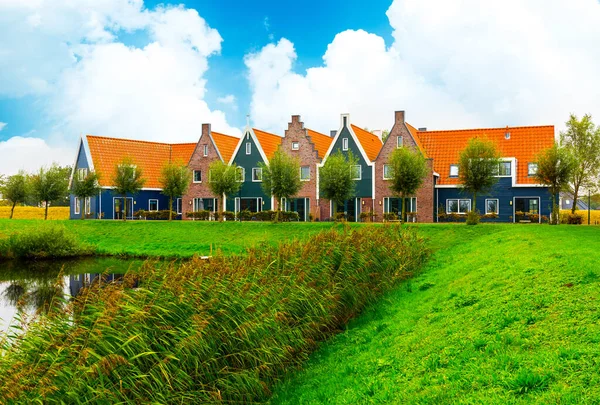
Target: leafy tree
x,y
127,179
336,182
554,169
50,185
15,190
408,170
175,179
478,167
582,140
281,177
223,180
85,188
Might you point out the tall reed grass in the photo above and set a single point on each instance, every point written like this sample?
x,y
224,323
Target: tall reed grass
x,y
217,331
43,242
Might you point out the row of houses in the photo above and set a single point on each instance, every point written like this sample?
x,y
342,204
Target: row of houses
x,y
516,190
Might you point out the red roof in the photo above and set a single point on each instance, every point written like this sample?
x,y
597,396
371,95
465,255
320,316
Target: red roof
x,y
370,142
523,145
268,142
321,142
413,132
226,144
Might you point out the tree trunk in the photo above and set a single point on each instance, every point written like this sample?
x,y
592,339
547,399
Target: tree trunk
x,y
12,210
403,211
474,207
575,197
170,208
125,208
83,211
224,208
46,211
555,213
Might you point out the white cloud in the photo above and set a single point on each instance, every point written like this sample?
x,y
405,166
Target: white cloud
x,y
455,65
2,125
29,154
228,100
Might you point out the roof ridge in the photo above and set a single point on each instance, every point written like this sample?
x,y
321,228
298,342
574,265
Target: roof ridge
x,y
267,133
141,141
484,129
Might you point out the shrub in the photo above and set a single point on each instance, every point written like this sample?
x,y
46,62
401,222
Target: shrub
x,y
339,217
472,218
369,216
217,331
265,216
289,216
390,216
153,215
244,215
46,242
574,219
203,215
227,215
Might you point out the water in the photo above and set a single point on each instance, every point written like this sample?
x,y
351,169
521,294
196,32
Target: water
x,y
32,286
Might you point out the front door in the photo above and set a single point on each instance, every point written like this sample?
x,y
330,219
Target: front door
x,y
118,207
350,209
299,205
527,206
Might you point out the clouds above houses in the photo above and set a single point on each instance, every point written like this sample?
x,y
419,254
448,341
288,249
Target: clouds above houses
x,y
451,65
29,154
2,125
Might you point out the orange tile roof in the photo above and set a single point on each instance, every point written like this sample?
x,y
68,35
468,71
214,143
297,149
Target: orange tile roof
x,y
524,144
226,145
182,152
321,142
268,142
370,142
413,132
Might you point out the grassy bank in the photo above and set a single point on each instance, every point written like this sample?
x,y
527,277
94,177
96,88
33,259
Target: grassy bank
x,y
47,241
500,315
35,213
220,331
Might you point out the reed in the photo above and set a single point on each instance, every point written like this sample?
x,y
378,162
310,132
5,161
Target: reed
x,y
217,331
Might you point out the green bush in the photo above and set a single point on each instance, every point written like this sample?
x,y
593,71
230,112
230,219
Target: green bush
x,y
570,218
46,242
226,215
473,218
265,216
244,215
223,330
203,215
339,217
154,215
390,216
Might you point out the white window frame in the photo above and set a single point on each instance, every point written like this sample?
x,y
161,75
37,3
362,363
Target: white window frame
x,y
194,176
241,174
178,206
150,202
88,205
77,206
384,166
529,171
497,206
82,173
205,150
254,171
457,171
509,168
295,145
248,148
307,178
344,144
359,172
399,141
458,200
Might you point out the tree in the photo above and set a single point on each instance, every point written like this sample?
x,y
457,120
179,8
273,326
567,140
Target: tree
x,y
223,180
175,179
15,190
336,180
127,179
281,177
554,169
50,185
582,141
478,167
86,188
408,170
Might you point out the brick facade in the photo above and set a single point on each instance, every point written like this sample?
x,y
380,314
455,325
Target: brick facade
x,y
425,195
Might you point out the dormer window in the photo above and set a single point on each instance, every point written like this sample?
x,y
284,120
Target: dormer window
x,y
295,145
344,143
248,148
399,141
205,151
504,169
507,135
532,169
453,170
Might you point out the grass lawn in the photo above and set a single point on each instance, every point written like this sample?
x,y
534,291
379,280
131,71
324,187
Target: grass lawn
x,y
174,239
502,314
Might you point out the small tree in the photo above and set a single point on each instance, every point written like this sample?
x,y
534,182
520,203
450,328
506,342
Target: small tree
x,y
175,179
336,180
15,190
478,168
582,141
85,188
408,170
281,177
50,185
127,179
554,169
223,180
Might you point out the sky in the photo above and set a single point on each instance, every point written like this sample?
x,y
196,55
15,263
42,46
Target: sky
x,y
157,71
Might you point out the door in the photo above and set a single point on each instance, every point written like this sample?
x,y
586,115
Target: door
x,y
300,206
527,206
118,207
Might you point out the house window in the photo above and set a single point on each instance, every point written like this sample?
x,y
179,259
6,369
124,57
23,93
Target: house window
x,y
241,174
197,176
387,172
453,170
256,174
152,205
457,206
399,142
179,206
492,206
82,174
356,171
77,205
248,148
504,169
344,143
205,151
305,173
295,145
88,205
532,169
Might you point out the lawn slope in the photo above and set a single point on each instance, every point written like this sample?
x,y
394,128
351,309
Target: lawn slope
x,y
501,315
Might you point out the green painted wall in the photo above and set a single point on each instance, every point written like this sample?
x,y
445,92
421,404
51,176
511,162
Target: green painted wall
x,y
364,187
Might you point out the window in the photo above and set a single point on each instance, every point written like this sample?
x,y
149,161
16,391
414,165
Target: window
x,y
491,206
205,151
197,176
77,205
532,169
295,145
256,174
399,142
387,172
453,170
88,205
152,205
248,148
82,174
344,143
241,174
456,206
356,171
504,169
179,206
305,173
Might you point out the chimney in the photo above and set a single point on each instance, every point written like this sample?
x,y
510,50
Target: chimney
x,y
205,130
295,119
333,133
399,116
345,120
422,129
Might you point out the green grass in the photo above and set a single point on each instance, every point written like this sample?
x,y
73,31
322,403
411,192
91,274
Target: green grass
x,y
502,314
173,239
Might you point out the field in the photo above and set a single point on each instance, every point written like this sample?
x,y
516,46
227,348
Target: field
x,y
35,213
594,216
